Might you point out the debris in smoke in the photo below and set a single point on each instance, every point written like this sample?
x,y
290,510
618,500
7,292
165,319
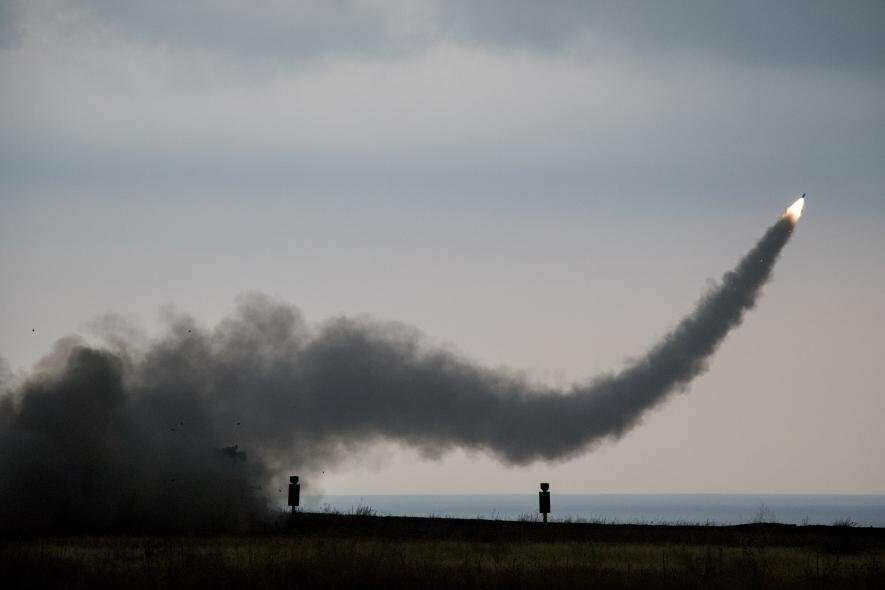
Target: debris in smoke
x,y
232,452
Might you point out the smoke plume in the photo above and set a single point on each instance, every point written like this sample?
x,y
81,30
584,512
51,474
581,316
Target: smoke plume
x,y
127,435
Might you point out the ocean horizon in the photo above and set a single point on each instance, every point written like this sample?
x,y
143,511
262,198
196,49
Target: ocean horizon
x,y
714,509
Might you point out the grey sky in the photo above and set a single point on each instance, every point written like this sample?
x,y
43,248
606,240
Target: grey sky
x,y
811,33
542,186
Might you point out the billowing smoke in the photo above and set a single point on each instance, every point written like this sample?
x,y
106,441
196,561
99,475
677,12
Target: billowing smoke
x,y
128,434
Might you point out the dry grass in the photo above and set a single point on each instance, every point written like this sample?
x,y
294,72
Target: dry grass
x,y
365,551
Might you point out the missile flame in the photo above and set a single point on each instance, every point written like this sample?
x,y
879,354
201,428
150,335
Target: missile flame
x,y
794,211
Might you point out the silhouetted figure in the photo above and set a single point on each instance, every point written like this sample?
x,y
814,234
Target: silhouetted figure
x,y
544,500
294,492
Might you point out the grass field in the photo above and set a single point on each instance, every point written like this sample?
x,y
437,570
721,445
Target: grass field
x,y
341,551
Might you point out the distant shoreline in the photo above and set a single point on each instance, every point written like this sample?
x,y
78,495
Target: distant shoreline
x,y
701,509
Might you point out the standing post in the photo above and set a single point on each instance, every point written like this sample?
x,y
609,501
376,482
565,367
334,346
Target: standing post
x,y
544,500
294,492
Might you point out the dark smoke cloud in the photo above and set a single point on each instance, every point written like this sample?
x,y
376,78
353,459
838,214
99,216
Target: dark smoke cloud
x,y
126,435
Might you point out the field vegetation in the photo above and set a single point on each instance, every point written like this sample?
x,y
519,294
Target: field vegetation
x,y
362,550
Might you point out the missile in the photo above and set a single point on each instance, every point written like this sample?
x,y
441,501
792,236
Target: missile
x,y
794,211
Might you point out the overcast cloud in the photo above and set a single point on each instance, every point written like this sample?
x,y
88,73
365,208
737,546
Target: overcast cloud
x,y
813,33
402,95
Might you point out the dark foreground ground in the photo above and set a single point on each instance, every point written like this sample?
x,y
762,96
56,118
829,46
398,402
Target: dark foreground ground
x,y
352,551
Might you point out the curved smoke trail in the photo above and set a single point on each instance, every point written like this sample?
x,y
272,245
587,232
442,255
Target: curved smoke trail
x,y
128,435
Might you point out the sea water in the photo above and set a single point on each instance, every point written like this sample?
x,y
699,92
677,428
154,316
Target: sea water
x,y
859,510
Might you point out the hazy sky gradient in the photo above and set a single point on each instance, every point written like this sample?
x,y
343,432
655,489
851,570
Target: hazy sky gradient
x,y
541,186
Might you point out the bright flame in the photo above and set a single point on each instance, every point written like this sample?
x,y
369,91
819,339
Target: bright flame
x,y
794,211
